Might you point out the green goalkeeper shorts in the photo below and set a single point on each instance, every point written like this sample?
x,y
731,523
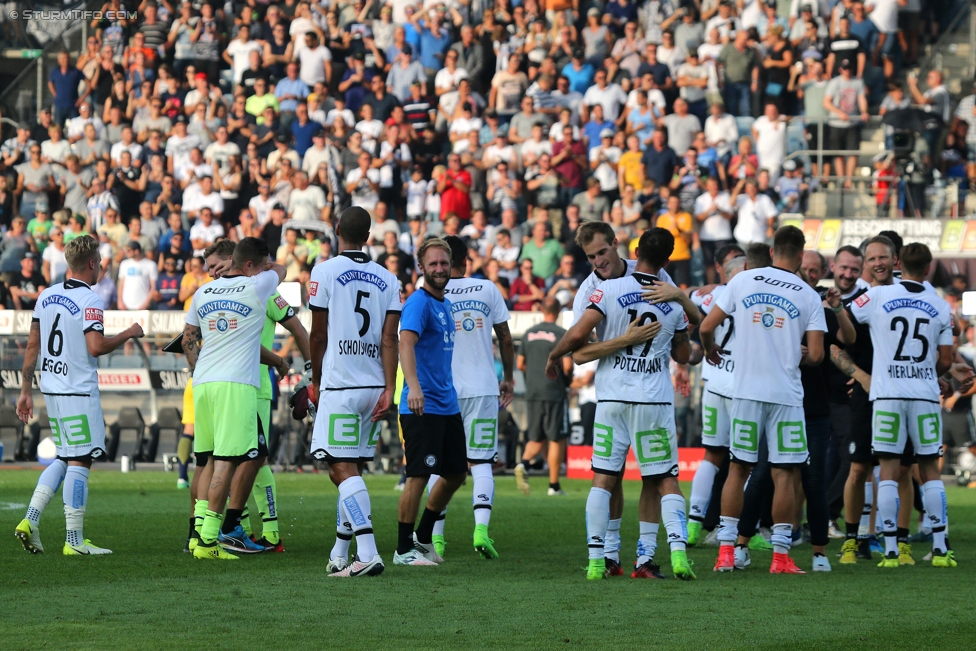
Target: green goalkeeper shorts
x,y
226,420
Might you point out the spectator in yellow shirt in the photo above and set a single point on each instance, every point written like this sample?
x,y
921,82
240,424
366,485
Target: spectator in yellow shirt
x,y
680,224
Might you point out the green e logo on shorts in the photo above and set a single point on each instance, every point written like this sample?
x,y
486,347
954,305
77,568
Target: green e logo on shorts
x,y
745,435
344,430
482,433
653,445
374,436
709,422
602,440
929,429
790,437
73,430
886,427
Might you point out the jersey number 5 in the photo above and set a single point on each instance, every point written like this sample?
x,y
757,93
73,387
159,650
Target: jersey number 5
x,y
362,312
644,318
899,353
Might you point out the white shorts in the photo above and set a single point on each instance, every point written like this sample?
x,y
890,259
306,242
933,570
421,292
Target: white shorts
x,y
895,421
77,425
480,416
716,420
343,429
782,426
649,428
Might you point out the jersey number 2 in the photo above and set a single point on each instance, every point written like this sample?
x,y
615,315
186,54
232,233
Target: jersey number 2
x,y
55,340
362,312
644,318
899,353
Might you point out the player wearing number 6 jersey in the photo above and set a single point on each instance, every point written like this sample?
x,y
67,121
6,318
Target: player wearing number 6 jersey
x,y
773,308
635,407
911,330
66,336
355,312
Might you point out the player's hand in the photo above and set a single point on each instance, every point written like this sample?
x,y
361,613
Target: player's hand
x,y
950,400
961,372
415,401
707,289
552,368
313,394
638,334
681,380
382,405
803,354
135,331
662,292
506,390
25,407
832,299
945,389
283,369
220,268
714,355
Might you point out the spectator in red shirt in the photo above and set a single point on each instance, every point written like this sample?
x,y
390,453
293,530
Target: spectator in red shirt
x,y
454,187
528,290
569,160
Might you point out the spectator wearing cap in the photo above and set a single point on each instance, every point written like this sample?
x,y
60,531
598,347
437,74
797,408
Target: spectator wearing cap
x,y
35,179
725,22
792,188
403,74
355,82
40,224
770,18
846,46
846,101
317,154
740,65
596,36
799,25
315,60
283,150
179,145
27,284
63,83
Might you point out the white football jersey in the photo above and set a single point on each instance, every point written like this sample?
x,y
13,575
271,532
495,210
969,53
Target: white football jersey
x,y
477,306
66,312
719,378
591,282
641,373
230,313
772,308
908,324
358,294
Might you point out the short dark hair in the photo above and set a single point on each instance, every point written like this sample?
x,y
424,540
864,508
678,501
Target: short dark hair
x,y
250,249
223,248
353,225
757,255
723,253
459,251
588,230
915,259
655,247
896,241
853,250
788,241
551,306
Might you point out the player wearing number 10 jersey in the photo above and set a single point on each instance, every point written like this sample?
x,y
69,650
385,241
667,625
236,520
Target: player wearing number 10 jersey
x,y
911,330
356,310
66,336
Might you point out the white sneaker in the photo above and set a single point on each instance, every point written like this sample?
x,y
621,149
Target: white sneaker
x,y
412,557
766,533
427,551
84,549
834,532
742,560
374,567
553,491
337,564
520,480
821,564
399,487
711,540
927,557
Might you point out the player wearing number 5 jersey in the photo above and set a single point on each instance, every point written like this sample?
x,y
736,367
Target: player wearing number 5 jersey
x,y
773,309
911,330
635,407
355,312
66,335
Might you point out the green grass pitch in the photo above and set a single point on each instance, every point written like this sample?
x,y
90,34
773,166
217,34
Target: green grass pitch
x,y
150,595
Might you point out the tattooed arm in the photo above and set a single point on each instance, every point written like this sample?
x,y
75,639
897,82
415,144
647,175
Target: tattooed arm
x,y
680,347
843,361
25,404
192,340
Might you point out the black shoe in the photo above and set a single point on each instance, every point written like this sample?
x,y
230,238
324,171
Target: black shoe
x,y
864,549
647,570
614,568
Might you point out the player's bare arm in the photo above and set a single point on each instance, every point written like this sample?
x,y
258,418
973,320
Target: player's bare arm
x,y
706,332
275,361
99,344
390,356
663,292
192,340
635,334
25,404
408,362
944,362
318,338
842,360
574,339
506,348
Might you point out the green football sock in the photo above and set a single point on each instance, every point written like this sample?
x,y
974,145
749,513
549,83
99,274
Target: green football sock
x,y
246,521
199,510
265,494
211,527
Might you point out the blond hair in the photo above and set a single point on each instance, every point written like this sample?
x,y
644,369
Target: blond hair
x,y
432,243
80,251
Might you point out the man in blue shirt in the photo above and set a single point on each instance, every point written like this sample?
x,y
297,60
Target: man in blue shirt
x,y
303,128
63,85
290,91
430,415
579,73
434,43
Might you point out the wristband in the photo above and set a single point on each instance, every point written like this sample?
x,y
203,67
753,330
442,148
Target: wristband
x,y
838,310
308,371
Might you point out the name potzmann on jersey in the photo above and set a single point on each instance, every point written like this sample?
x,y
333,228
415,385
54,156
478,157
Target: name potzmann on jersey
x,y
638,364
357,347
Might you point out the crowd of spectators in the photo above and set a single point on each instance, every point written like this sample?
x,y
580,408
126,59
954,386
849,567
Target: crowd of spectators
x,y
508,124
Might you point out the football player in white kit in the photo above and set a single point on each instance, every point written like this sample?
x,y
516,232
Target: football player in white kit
x,y
911,329
635,407
478,309
773,309
599,243
355,316
716,394
66,335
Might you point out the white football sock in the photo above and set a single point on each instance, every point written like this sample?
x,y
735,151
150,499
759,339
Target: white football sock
x,y
597,520
47,485
888,513
675,521
701,490
483,493
343,534
647,542
864,528
728,530
611,548
75,496
782,538
355,504
439,524
934,499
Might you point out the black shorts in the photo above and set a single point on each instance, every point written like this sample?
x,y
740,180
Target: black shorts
x,y
709,247
813,137
546,420
909,20
957,429
859,434
434,445
680,272
846,138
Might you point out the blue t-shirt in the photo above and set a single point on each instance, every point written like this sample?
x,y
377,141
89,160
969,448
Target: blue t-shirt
x,y
432,44
432,321
579,80
592,131
303,135
66,86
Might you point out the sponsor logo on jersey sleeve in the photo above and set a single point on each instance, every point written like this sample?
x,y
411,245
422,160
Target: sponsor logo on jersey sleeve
x,y
94,314
313,288
708,300
596,296
862,300
281,302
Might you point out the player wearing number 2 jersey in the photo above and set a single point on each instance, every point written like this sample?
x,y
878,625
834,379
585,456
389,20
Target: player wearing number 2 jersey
x,y
911,330
355,311
66,336
773,309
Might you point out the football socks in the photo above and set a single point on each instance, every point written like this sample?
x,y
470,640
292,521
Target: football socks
x,y
265,493
356,506
888,513
483,493
611,546
597,521
934,499
701,489
675,521
47,485
782,538
647,542
75,496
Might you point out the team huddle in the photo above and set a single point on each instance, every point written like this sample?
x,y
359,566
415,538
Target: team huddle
x,y
754,334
